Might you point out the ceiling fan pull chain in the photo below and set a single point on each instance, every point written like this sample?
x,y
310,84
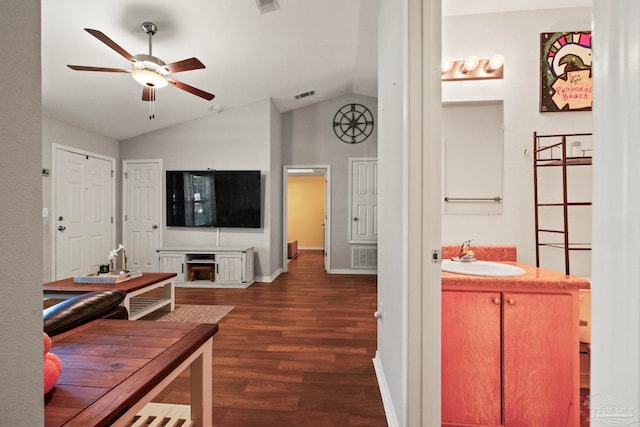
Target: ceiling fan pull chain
x,y
152,101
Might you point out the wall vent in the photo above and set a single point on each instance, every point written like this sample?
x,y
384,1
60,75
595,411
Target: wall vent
x,y
364,256
267,5
305,94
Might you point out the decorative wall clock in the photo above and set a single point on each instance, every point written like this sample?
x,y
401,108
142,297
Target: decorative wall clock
x,y
353,123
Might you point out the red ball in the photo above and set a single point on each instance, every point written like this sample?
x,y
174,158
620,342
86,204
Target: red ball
x,y
52,365
47,342
51,372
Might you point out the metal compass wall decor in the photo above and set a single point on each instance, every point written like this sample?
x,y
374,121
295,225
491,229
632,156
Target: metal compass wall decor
x,y
353,123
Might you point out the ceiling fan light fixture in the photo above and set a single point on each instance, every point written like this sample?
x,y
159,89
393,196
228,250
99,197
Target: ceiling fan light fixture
x,y
148,70
149,78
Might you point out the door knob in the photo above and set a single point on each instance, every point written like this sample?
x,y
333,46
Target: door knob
x,y
61,228
154,226
496,301
355,218
511,301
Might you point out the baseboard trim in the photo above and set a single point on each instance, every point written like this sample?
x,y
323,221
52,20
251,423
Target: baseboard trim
x,y
269,279
353,271
389,411
203,284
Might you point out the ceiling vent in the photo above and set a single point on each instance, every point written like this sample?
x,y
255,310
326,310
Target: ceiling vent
x,y
305,94
267,5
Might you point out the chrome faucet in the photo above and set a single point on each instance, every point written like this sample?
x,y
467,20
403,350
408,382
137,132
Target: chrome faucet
x,y
466,254
465,248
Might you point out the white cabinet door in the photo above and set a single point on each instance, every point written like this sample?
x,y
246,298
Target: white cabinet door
x,y
363,195
173,263
229,268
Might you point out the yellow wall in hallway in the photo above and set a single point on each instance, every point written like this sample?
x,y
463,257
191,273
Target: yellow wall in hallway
x,y
305,211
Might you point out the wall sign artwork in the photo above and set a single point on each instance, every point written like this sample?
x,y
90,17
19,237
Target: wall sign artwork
x,y
565,71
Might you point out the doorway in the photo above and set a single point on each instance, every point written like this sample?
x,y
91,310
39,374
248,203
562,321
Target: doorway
x,y
321,224
142,213
83,203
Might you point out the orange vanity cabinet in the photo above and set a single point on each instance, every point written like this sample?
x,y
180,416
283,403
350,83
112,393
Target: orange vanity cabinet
x,y
510,358
471,358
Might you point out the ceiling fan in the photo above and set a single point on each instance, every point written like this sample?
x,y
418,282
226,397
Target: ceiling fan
x,y
148,70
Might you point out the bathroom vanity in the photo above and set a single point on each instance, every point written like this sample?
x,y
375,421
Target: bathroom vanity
x,y
510,349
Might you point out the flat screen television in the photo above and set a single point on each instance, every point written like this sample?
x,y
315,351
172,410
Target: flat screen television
x,y
213,198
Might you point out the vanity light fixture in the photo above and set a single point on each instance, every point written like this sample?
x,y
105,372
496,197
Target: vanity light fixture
x,y
473,68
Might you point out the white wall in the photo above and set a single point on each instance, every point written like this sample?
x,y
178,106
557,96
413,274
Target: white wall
x,y
234,139
466,7
615,373
57,132
21,401
516,35
308,138
275,188
393,149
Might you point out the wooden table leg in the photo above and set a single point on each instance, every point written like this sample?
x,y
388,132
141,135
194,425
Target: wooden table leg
x,y
170,294
201,387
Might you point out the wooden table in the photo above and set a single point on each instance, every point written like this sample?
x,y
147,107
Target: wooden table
x,y
113,368
136,303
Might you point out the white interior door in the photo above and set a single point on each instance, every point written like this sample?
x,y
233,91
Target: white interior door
x,y
142,213
364,200
83,213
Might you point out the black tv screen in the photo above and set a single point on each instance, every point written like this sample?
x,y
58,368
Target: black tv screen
x,y
213,199
237,198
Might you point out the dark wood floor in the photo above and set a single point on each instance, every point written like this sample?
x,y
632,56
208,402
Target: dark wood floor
x,y
294,352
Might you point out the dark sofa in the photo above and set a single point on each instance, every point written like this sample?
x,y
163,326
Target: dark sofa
x,y
84,308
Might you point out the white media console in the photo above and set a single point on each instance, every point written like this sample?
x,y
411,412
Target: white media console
x,y
218,267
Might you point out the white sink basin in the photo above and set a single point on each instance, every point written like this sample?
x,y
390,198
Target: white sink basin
x,y
481,268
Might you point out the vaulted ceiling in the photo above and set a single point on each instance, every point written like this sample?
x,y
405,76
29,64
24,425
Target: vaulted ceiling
x,y
328,46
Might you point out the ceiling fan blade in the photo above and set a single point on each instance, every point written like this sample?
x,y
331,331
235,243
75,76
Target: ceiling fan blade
x,y
202,94
148,94
185,65
108,70
113,45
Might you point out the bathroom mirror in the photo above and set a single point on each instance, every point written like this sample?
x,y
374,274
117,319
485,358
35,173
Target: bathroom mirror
x,y
472,136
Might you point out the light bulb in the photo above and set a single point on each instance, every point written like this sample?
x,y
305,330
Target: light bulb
x,y
470,63
447,64
496,62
